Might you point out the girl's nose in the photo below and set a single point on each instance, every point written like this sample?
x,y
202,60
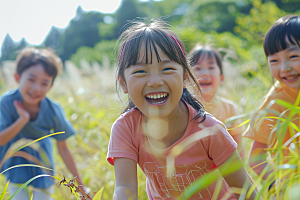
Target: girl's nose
x,y
285,67
155,81
204,73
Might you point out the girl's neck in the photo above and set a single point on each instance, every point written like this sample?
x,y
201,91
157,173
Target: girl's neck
x,y
290,91
209,98
162,133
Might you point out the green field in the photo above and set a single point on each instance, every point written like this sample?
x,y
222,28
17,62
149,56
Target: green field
x,y
92,104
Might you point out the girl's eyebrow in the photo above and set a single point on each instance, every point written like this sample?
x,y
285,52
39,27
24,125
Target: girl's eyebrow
x,y
166,62
293,48
46,80
161,62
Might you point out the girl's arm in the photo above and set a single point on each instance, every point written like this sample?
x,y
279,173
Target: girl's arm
x,y
11,131
69,161
257,156
238,138
237,178
126,179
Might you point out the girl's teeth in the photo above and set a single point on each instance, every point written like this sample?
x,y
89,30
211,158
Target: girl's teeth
x,y
156,96
291,77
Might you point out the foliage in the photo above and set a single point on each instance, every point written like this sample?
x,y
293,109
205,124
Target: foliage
x,y
9,48
217,15
235,28
94,54
253,27
82,31
248,19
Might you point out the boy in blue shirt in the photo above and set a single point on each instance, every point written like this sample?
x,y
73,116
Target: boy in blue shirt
x,y
27,114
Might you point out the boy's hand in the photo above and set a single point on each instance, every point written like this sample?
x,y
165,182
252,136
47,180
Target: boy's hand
x,y
24,114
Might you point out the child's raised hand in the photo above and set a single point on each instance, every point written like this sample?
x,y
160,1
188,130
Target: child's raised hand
x,y
24,114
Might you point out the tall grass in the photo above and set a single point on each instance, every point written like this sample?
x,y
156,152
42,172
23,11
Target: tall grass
x,y
92,105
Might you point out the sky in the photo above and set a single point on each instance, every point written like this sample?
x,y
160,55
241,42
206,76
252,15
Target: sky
x,y
33,19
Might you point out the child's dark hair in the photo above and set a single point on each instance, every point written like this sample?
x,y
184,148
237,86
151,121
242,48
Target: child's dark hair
x,y
282,35
155,32
31,56
200,51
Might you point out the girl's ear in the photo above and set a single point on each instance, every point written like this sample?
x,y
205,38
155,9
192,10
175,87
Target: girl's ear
x,y
222,78
123,85
17,77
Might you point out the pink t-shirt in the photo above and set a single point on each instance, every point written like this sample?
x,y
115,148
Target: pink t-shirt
x,y
204,145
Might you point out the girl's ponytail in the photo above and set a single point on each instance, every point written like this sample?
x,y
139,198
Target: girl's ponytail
x,y
197,105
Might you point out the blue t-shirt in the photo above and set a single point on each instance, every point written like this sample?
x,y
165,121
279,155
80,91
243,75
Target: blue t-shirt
x,y
51,118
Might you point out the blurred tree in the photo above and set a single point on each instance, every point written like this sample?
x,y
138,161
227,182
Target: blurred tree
x,y
94,54
107,28
170,10
127,11
213,15
7,49
22,44
253,27
287,5
54,40
82,31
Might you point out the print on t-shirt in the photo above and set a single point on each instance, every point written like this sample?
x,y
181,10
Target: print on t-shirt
x,y
175,184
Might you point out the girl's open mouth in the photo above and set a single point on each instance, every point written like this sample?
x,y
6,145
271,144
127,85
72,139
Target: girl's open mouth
x,y
157,98
205,84
291,78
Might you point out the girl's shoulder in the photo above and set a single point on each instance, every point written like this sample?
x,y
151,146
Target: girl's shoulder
x,y
128,117
210,120
207,120
226,101
210,129
132,113
276,92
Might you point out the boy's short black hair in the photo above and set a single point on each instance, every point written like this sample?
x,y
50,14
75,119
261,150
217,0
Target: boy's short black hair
x,y
31,56
199,50
282,35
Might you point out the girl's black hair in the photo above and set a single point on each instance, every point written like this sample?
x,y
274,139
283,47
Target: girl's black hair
x,y
155,32
199,51
282,35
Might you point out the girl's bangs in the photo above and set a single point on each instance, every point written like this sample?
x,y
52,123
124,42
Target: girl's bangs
x,y
282,36
150,40
200,55
277,43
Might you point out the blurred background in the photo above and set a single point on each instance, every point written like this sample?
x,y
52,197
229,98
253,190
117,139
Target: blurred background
x,y
84,33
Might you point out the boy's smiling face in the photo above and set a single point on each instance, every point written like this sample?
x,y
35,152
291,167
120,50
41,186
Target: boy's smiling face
x,y
34,83
285,67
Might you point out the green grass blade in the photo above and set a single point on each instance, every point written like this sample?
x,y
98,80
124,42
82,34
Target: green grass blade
x,y
26,165
242,124
25,184
210,178
284,103
98,195
4,191
297,100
